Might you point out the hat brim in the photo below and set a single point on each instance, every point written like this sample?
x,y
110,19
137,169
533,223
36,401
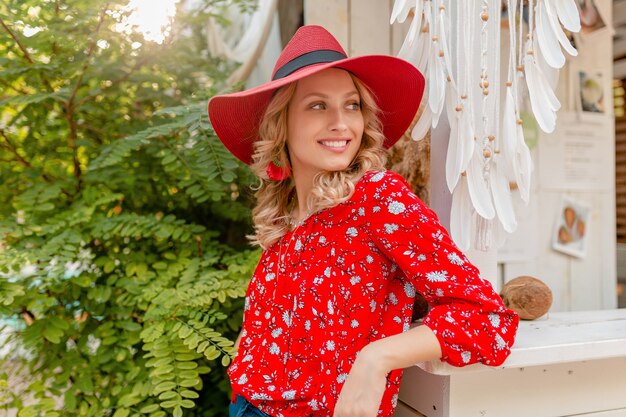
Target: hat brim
x,y
396,84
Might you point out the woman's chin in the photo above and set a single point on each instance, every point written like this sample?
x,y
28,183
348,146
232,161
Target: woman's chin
x,y
337,168
337,165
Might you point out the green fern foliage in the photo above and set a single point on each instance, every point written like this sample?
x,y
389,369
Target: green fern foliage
x,y
123,259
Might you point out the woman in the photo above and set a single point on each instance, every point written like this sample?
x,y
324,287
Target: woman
x,y
347,245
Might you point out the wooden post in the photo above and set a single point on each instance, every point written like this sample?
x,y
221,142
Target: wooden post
x,y
332,14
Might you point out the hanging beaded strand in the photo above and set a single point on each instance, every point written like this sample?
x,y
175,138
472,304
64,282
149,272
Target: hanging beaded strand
x,y
497,98
520,61
457,71
484,82
513,79
531,27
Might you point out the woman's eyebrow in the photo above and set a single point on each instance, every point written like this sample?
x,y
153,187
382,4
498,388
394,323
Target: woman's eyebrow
x,y
322,95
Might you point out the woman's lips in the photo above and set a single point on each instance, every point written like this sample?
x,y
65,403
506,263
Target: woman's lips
x,y
335,144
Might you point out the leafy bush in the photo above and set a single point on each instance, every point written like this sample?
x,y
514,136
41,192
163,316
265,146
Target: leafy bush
x,y
123,262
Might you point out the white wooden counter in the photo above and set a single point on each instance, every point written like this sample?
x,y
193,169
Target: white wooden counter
x,y
566,364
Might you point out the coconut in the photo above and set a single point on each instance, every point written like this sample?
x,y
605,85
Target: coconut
x,y
529,297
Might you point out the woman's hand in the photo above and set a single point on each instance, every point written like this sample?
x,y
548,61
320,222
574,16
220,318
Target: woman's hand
x,y
364,387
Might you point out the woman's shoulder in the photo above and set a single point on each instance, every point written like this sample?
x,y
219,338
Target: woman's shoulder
x,y
372,181
382,187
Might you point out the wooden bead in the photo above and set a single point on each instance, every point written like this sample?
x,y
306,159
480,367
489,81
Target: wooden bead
x,y
484,16
491,138
496,151
441,53
435,38
485,91
442,7
520,68
519,121
458,108
486,153
509,83
464,96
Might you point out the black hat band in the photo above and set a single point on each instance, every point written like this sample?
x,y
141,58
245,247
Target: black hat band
x,y
310,58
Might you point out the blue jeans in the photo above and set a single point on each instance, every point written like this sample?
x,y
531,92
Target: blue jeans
x,y
242,408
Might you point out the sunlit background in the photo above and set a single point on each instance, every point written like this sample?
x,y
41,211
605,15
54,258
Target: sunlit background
x,y
152,18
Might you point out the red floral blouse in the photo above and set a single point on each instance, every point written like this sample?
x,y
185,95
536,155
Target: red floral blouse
x,y
348,276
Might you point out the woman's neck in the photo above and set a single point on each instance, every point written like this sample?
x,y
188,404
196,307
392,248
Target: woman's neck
x,y
303,185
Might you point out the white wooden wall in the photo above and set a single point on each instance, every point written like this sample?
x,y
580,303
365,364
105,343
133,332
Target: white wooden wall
x,y
362,27
587,283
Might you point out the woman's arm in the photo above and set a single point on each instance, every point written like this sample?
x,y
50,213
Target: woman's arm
x,y
467,322
364,387
401,350
467,316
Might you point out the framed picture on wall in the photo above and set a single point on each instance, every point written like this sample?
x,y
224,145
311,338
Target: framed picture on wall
x,y
571,229
590,18
590,94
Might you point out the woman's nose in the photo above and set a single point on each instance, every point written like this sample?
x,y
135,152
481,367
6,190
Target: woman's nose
x,y
337,120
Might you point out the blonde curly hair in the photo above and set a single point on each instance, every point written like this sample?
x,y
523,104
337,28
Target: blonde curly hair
x,y
276,199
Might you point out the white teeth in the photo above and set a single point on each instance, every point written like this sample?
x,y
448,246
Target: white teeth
x,y
335,143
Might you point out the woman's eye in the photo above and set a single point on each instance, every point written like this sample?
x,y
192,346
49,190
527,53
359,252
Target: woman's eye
x,y
354,106
318,106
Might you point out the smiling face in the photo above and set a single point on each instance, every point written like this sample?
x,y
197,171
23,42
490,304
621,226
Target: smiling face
x,y
324,123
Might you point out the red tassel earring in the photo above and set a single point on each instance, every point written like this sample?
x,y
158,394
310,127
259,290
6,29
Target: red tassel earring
x,y
276,172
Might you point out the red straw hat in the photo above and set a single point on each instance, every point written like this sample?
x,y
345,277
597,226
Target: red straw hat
x,y
397,86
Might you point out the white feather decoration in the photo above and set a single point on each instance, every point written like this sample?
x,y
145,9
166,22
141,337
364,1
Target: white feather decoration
x,y
558,31
468,138
502,200
568,14
401,9
460,147
461,215
443,43
508,136
550,74
422,126
425,41
407,50
424,44
486,149
523,165
454,153
543,102
418,11
546,38
436,85
477,186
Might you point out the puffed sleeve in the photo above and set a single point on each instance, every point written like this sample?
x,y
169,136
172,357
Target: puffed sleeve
x,y
467,316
